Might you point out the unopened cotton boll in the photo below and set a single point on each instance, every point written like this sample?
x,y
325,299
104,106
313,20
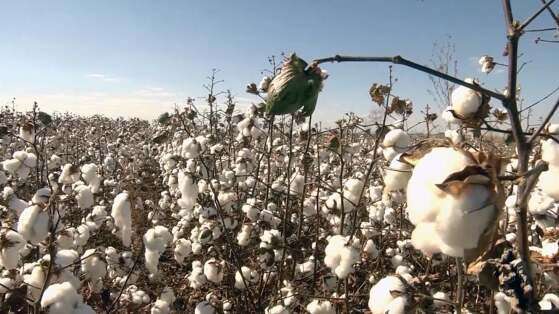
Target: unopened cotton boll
x,y
465,101
122,215
381,296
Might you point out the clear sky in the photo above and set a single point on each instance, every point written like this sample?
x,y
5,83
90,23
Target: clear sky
x,y
138,58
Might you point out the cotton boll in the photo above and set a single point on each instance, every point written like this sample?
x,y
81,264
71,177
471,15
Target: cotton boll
x,y
371,249
196,278
548,182
65,258
213,270
397,139
204,307
70,174
89,174
63,298
454,136
296,184
189,191
397,175
122,215
550,152
6,284
183,249
11,165
250,276
423,195
11,243
549,302
243,238
320,307
381,297
251,211
539,203
96,218
93,267
465,101
502,303
34,280
458,228
276,309
439,295
84,196
340,257
33,224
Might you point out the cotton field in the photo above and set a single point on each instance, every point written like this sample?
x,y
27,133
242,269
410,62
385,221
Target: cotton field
x,y
250,212
222,206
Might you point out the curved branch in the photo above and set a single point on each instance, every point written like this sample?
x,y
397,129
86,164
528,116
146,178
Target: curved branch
x,y
414,65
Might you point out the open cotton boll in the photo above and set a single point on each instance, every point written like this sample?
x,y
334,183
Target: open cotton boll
x,y
63,299
454,136
296,184
318,306
33,224
190,148
93,268
6,284
196,278
549,301
189,191
397,175
423,195
122,215
156,240
34,280
27,133
465,101
65,258
276,309
459,229
243,238
183,249
84,196
502,303
70,174
397,139
11,243
548,182
340,257
539,202
213,270
11,165
381,296
90,176
550,152
204,307
250,276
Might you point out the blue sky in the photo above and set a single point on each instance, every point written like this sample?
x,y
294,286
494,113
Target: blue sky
x,y
138,58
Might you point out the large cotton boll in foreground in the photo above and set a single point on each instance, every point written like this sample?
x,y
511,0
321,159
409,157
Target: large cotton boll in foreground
x,y
422,193
381,297
450,217
465,101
